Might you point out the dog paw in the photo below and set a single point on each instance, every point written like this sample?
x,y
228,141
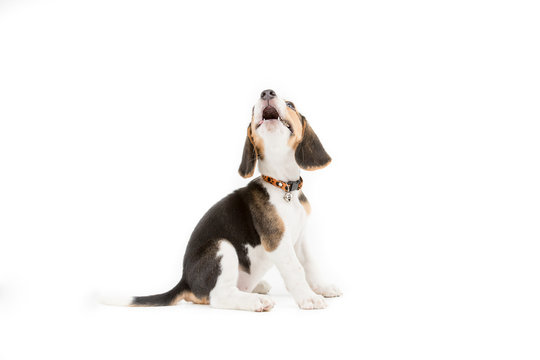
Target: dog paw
x,y
312,302
262,288
327,290
262,303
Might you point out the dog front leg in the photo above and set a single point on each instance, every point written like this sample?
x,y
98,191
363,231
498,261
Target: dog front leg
x,y
313,275
285,259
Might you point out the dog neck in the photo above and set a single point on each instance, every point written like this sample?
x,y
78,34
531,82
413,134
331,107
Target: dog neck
x,y
280,165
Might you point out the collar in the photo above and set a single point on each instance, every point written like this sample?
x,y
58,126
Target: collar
x,y
286,186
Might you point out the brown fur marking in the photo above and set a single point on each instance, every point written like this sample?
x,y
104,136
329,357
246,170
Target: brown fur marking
x,y
253,150
296,124
257,142
189,296
313,168
268,223
305,203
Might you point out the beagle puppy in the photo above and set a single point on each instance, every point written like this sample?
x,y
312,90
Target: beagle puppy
x,y
258,226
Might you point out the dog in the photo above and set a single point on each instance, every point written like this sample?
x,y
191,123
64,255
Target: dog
x,y
258,226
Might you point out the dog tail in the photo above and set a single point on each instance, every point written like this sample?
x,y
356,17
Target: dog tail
x,y
170,297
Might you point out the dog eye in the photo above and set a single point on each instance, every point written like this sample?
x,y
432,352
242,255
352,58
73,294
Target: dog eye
x,y
291,105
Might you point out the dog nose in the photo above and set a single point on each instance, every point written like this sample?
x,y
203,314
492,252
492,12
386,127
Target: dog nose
x,y
268,94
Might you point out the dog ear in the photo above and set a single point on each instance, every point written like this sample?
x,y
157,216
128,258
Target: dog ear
x,y
310,154
249,156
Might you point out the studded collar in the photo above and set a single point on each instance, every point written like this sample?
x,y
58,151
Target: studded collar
x,y
286,186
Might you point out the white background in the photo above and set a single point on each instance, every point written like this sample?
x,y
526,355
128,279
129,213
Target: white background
x,y
122,122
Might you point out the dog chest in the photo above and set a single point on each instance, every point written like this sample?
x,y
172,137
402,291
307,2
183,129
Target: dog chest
x,y
291,212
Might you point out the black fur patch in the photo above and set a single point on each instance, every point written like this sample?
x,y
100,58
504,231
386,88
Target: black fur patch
x,y
240,218
235,219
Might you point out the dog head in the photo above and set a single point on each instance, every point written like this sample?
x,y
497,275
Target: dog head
x,y
277,127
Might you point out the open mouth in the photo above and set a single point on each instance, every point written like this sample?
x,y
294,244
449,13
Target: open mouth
x,y
270,113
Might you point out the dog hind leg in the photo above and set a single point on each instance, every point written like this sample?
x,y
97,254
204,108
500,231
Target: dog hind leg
x,y
225,294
